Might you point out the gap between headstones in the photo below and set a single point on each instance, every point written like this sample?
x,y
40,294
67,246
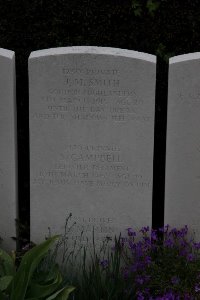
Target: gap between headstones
x,y
160,143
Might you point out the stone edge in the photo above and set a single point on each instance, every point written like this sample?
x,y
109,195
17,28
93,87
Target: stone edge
x,y
184,57
93,50
7,53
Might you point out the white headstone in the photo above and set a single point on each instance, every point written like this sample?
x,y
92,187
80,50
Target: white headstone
x,y
8,168
182,190
91,140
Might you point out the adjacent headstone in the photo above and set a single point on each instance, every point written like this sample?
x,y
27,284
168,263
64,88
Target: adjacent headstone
x,y
182,191
8,167
91,140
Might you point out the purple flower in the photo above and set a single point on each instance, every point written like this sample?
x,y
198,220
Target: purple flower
x,y
141,259
139,249
104,263
190,257
131,245
175,280
168,296
139,279
154,235
183,243
173,231
147,240
140,296
169,243
167,226
144,229
164,229
179,233
147,260
184,231
197,288
196,245
131,232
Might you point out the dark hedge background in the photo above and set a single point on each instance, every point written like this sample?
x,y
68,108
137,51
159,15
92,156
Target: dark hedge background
x,y
161,27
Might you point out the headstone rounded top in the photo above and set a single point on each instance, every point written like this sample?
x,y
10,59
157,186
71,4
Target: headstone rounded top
x,y
94,50
7,53
184,57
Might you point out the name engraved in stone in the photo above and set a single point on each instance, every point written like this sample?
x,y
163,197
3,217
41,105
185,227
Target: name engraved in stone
x,y
86,71
105,157
91,98
91,165
91,82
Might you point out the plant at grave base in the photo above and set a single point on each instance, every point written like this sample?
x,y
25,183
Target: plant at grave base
x,y
87,265
101,276
25,283
161,269
67,255
159,264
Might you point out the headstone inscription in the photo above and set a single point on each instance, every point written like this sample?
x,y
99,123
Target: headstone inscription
x,y
8,167
91,140
182,190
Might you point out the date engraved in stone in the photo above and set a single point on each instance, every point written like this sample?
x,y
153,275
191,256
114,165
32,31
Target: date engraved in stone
x,y
91,165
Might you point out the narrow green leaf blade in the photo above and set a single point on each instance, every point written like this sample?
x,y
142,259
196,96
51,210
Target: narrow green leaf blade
x,y
62,294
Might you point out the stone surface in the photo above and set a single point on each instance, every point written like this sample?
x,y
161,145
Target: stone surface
x,y
182,191
8,167
91,140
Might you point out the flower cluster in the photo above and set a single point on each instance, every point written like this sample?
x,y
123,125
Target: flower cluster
x,y
161,264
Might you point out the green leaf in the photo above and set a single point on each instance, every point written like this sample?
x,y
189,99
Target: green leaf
x,y
18,291
38,290
4,282
152,6
137,8
7,266
62,294
28,265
